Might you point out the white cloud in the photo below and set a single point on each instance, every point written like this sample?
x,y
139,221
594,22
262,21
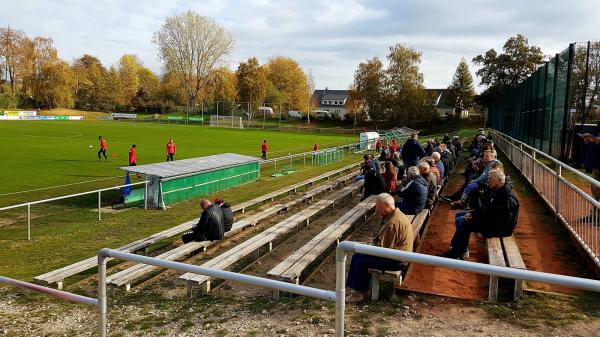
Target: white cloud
x,y
329,38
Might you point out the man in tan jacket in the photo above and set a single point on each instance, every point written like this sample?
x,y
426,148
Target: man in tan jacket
x,y
395,233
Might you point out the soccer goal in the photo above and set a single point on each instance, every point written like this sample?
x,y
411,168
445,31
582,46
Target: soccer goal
x,y
226,122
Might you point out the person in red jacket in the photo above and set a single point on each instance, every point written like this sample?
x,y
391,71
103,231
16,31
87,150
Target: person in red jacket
x,y
264,149
315,151
171,149
102,148
394,146
132,156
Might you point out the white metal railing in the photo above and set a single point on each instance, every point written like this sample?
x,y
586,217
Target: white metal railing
x,y
337,296
49,291
99,192
576,209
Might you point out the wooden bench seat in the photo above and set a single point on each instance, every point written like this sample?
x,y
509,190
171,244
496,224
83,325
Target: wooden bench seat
x,y
127,276
504,252
57,276
253,244
292,267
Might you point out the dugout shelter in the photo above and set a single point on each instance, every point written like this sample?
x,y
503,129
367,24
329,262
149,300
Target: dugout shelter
x,y
180,180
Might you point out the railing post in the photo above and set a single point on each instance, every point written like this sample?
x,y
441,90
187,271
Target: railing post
x,y
102,295
146,195
99,205
340,291
557,196
533,156
29,222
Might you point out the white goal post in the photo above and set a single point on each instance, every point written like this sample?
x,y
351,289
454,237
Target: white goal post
x,y
226,121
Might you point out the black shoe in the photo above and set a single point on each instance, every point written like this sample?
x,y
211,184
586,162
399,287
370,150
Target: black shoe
x,y
457,205
450,255
445,199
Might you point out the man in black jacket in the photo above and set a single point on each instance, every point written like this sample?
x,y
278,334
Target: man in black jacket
x,y
412,151
210,226
497,217
227,214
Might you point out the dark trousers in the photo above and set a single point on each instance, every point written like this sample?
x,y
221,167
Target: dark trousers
x,y
464,228
264,155
406,209
102,152
196,235
170,156
358,275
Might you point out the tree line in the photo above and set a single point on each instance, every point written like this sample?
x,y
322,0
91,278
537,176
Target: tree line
x,y
395,94
33,76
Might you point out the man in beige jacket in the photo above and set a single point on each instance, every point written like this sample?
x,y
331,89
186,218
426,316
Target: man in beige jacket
x,y
395,233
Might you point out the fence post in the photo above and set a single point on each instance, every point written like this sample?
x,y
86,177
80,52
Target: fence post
x,y
340,291
533,168
146,195
99,205
557,196
102,294
29,222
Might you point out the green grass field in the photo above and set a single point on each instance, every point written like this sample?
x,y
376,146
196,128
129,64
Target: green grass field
x,y
41,154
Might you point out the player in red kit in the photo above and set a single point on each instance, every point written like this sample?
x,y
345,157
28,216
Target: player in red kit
x,y
171,149
132,156
264,149
102,148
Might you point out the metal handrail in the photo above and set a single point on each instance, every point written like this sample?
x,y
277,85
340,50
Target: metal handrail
x,y
49,291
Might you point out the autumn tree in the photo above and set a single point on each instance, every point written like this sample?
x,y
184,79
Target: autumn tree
x,y
501,71
90,82
191,46
461,92
11,52
222,86
129,66
252,83
369,89
290,83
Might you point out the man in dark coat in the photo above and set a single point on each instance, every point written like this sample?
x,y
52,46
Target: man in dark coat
x,y
227,214
431,179
497,217
413,193
412,151
210,226
374,183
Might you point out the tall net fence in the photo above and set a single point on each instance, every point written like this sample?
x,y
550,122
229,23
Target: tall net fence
x,y
560,99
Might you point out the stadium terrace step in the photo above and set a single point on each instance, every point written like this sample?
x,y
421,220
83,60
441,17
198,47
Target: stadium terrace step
x,y
57,276
231,256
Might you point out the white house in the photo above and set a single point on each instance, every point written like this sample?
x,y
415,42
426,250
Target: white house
x,y
333,101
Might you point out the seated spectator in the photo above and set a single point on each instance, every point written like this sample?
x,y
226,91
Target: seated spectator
x,y
412,151
497,217
488,159
395,233
431,184
397,161
413,192
429,147
209,227
433,168
385,152
390,175
457,146
439,164
227,214
367,166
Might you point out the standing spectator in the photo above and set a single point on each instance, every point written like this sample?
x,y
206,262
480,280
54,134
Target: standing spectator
x,y
429,147
376,163
102,148
412,151
394,146
171,149
378,145
390,175
264,149
395,233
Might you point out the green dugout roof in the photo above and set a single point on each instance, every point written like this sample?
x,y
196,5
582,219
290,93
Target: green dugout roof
x,y
190,166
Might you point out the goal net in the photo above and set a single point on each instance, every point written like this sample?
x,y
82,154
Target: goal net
x,y
226,122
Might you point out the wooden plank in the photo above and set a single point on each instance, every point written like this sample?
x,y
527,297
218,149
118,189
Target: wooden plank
x,y
514,260
293,265
496,257
418,222
233,255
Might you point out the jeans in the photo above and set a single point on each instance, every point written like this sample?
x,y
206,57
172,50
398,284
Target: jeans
x,y
358,275
464,228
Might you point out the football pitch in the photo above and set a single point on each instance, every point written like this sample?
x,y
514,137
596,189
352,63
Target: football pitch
x,y
42,154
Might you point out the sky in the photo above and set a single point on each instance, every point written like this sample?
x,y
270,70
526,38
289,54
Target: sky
x,y
328,38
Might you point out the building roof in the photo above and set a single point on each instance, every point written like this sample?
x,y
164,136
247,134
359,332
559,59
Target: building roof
x,y
440,97
327,94
192,165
